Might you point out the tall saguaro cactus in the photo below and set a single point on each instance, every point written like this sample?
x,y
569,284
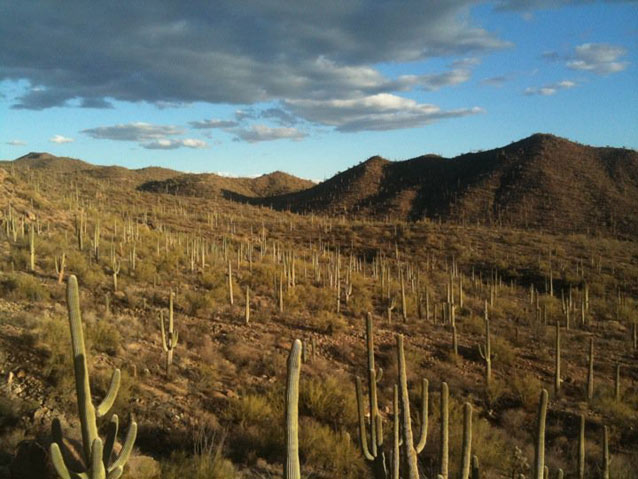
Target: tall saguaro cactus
x,y
410,450
170,338
292,468
372,451
581,448
466,454
444,454
96,456
557,379
486,351
590,371
539,454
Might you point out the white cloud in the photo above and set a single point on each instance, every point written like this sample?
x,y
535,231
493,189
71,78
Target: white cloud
x,y
599,58
549,90
171,144
257,133
16,143
132,132
376,112
59,139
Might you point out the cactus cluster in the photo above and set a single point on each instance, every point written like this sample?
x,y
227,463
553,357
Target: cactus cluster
x,y
96,454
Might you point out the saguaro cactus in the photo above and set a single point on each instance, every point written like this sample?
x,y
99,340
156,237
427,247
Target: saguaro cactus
x,y
169,341
605,452
247,310
557,379
32,247
230,283
590,371
581,448
444,447
486,351
372,452
96,456
539,454
410,450
292,468
467,442
59,267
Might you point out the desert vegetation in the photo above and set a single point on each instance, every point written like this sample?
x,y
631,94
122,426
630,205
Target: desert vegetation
x,y
237,341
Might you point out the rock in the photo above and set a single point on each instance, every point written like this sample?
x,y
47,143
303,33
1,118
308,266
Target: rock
x,y
31,461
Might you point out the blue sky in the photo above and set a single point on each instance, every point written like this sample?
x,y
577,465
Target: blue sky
x,y
246,88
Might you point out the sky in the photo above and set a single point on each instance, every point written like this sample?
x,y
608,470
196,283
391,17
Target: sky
x,y
311,88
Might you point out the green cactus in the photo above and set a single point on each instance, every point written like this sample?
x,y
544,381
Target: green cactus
x,y
467,442
396,435
371,452
59,267
590,371
486,351
581,448
247,310
31,247
605,453
96,457
539,455
230,283
617,384
557,379
410,450
443,457
476,473
169,341
292,468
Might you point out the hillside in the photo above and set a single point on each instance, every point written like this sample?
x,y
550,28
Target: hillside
x,y
49,164
542,182
208,185
244,282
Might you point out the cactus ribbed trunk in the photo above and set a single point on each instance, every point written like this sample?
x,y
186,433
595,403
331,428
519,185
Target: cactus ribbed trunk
x,y
605,452
590,371
539,451
466,454
409,452
581,448
86,409
292,468
443,457
557,368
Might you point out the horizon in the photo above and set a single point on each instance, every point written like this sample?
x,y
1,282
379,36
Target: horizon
x,y
312,93
314,180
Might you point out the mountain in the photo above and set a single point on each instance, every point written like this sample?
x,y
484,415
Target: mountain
x,y
206,185
51,164
542,182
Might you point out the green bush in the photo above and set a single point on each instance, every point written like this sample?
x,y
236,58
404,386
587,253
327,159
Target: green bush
x,y
21,286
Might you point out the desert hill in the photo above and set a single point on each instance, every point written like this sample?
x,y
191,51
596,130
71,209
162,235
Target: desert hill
x,y
57,165
542,182
207,185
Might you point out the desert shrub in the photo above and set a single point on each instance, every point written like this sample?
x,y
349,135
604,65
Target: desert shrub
x,y
327,401
145,271
207,462
525,387
197,302
21,286
322,449
89,276
104,336
55,337
502,350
